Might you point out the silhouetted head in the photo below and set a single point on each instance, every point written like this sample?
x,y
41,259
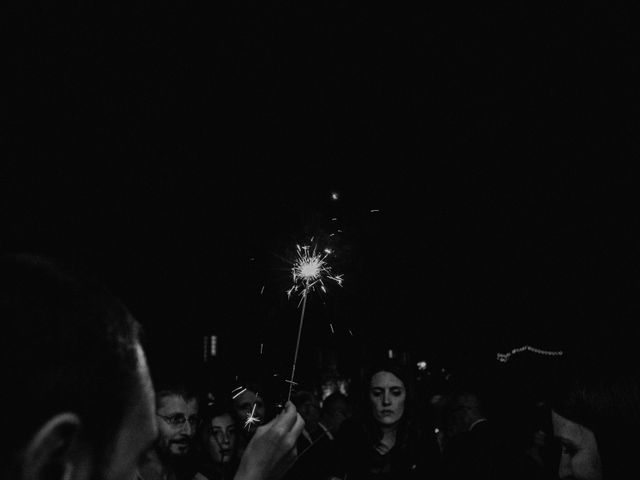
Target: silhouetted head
x,y
81,405
596,417
336,408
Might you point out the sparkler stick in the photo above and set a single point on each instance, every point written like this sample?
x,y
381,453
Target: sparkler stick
x,y
308,271
295,356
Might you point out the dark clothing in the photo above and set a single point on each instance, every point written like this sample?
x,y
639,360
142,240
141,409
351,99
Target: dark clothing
x,y
316,459
414,456
482,453
218,472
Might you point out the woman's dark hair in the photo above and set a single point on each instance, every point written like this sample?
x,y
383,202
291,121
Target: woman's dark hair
x,y
218,408
603,395
408,420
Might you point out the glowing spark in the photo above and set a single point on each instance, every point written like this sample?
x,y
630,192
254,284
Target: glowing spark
x,y
331,325
261,345
309,269
334,196
374,210
262,290
239,393
350,333
251,418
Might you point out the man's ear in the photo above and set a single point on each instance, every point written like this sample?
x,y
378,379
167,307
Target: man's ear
x,y
52,451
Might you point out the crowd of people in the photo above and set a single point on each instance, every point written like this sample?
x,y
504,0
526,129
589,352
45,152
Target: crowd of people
x,y
85,406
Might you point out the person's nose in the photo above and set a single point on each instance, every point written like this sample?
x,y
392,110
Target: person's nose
x,y
564,469
189,428
386,399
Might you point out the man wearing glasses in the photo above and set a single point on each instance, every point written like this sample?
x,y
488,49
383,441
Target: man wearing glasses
x,y
177,414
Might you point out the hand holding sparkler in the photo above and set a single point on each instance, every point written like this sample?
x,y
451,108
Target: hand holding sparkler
x,y
272,449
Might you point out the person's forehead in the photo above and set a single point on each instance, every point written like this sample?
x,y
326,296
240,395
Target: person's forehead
x,y
177,404
223,420
386,379
569,429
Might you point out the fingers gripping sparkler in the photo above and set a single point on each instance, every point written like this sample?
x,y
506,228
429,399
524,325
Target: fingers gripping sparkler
x,y
308,272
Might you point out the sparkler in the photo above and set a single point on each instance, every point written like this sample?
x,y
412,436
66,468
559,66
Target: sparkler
x,y
308,272
251,418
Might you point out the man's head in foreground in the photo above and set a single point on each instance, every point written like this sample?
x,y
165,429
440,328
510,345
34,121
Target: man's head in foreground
x,y
82,403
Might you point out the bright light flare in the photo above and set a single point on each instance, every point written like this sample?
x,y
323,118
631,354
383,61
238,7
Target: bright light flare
x,y
309,270
251,418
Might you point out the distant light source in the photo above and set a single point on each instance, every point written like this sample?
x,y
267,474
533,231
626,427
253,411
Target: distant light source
x,y
213,346
422,365
390,353
334,196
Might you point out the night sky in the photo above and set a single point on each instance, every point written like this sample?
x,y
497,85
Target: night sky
x,y
483,161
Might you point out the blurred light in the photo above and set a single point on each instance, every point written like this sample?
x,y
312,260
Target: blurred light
x,y
328,388
213,348
436,431
504,357
390,353
343,387
334,196
422,365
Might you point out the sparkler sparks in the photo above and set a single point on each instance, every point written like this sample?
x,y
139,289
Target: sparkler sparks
x,y
239,390
251,418
308,271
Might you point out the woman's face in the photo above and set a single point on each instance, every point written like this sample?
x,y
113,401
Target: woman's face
x,y
580,458
221,439
387,394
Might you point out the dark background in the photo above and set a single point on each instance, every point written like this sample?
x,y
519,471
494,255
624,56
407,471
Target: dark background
x,y
182,150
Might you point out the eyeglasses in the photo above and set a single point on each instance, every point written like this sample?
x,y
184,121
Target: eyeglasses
x,y
178,420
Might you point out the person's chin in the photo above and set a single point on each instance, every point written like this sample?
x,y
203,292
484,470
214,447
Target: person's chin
x,y
179,450
388,420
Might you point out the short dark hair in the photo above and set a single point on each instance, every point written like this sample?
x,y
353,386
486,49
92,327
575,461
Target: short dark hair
x,y
69,346
603,395
179,389
332,400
